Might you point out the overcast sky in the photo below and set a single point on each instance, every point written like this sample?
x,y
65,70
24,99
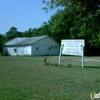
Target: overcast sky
x,y
22,14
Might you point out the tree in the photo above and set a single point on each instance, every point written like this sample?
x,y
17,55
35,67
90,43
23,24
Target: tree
x,y
91,5
36,31
28,33
60,25
12,33
45,29
79,19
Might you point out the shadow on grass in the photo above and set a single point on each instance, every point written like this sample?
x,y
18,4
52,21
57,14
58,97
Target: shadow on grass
x,y
98,81
89,66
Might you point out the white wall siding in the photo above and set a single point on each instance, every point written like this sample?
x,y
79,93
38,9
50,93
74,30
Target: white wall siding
x,y
46,46
24,50
45,50
32,46
20,50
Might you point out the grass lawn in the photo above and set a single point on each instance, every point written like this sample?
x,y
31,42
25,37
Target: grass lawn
x,y
26,78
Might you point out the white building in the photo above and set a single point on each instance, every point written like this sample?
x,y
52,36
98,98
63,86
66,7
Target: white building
x,y
33,46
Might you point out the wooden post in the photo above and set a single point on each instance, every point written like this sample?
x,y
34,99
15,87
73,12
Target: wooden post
x,y
45,59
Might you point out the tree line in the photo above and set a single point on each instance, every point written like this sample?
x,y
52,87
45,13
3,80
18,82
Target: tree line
x,y
79,19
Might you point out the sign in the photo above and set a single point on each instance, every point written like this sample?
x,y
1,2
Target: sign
x,y
72,47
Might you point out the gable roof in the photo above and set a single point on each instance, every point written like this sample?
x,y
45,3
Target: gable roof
x,y
24,40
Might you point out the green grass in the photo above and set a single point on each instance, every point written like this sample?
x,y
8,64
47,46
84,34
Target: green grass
x,y
26,78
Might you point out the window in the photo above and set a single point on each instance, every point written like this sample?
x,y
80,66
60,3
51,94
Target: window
x,y
37,48
55,47
15,49
49,48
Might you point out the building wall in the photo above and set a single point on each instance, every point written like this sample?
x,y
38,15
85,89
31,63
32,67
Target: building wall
x,y
19,50
45,46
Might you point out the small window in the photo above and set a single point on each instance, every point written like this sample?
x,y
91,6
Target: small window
x,y
15,49
55,47
49,48
37,48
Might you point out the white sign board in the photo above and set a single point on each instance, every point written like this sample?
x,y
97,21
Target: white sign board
x,y
72,47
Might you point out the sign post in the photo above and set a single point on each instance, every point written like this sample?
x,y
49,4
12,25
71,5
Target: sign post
x,y
72,47
60,55
83,57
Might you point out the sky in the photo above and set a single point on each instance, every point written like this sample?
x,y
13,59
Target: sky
x,y
22,14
